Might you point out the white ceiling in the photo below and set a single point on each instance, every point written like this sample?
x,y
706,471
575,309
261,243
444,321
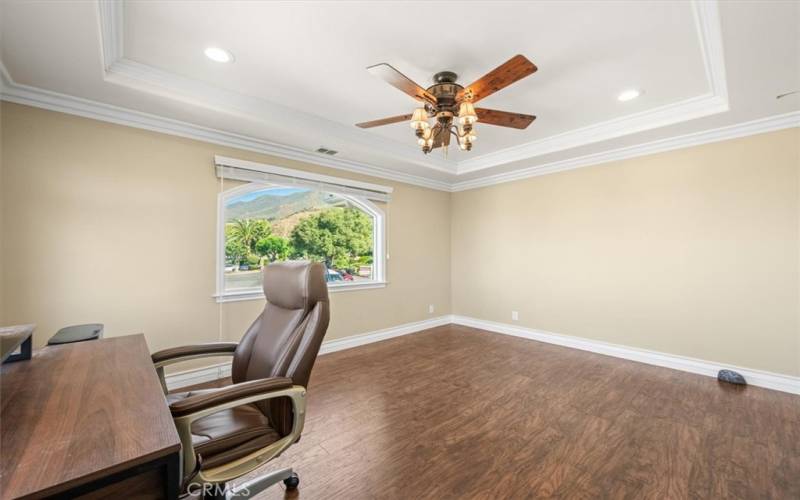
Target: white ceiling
x,y
299,78
312,57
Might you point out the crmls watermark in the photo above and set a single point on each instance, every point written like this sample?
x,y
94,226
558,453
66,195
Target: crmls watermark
x,y
215,490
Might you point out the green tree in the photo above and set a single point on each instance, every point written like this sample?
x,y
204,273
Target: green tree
x,y
273,248
235,251
247,232
337,236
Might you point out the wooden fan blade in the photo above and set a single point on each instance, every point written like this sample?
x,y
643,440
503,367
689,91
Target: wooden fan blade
x,y
441,137
504,118
384,121
516,68
398,80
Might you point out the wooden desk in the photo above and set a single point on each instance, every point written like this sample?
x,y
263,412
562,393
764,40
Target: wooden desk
x,y
13,338
87,418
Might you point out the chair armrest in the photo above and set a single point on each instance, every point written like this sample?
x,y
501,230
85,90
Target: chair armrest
x,y
201,405
185,353
228,394
176,354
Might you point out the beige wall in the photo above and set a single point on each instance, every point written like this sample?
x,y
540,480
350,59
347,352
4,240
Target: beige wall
x,y
2,237
692,252
111,224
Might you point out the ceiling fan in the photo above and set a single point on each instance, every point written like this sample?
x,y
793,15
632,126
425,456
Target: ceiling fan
x,y
446,100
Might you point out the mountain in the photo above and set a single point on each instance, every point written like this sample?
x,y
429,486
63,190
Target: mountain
x,y
275,207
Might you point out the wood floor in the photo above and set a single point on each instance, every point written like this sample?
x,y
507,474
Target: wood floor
x,y
455,412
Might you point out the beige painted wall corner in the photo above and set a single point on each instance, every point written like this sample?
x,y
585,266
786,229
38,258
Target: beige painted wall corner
x,y
693,252
112,224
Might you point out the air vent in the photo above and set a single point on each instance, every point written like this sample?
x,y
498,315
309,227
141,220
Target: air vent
x,y
326,151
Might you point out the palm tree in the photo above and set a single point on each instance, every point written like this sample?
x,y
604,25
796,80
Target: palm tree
x,y
247,232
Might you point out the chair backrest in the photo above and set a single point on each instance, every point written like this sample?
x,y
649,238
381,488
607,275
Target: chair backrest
x,y
285,338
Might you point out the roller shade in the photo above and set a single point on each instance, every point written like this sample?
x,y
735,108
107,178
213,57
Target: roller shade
x,y
248,171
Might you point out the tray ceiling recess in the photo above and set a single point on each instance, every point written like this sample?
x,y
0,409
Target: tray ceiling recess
x,y
614,80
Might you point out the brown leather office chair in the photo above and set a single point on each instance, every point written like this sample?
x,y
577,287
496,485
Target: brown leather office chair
x,y
230,431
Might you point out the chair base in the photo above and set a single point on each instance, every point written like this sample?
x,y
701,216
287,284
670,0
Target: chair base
x,y
255,486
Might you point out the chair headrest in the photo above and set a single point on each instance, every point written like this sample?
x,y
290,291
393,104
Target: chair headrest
x,y
295,284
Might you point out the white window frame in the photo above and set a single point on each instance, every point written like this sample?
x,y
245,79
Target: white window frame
x,y
379,255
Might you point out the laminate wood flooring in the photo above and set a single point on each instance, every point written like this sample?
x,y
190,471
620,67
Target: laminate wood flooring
x,y
456,412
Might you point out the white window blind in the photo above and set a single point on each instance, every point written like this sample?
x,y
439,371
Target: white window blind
x,y
248,171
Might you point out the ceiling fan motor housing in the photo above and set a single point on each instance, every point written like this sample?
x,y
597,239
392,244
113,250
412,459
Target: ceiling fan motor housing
x,y
444,117
445,77
445,89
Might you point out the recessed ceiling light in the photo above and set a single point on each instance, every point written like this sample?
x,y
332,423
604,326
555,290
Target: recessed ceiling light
x,y
218,55
627,95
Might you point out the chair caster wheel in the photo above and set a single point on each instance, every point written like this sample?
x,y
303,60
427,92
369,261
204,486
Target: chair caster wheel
x,y
292,482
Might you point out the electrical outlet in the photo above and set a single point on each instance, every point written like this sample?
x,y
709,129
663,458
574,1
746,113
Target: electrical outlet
x,y
430,309
514,316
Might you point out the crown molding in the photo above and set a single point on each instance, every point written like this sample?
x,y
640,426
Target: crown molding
x,y
709,32
760,126
707,18
111,27
670,114
122,71
152,80
32,96
54,101
145,78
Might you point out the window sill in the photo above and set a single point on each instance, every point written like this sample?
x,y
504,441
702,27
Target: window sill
x,y
259,295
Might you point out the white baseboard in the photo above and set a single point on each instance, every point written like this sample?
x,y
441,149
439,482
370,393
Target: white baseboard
x,y
222,370
776,381
197,375
378,335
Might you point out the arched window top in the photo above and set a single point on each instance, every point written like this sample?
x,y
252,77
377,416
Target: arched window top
x,y
261,223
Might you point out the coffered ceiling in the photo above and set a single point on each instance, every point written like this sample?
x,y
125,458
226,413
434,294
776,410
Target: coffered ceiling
x,y
298,80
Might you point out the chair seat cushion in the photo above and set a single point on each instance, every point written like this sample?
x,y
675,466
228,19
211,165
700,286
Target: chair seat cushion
x,y
228,434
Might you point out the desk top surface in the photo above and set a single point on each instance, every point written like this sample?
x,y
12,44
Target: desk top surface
x,y
77,412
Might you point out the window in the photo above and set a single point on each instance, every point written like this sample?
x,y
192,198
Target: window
x,y
269,222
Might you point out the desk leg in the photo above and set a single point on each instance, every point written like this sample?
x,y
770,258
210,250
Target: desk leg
x,y
25,351
172,484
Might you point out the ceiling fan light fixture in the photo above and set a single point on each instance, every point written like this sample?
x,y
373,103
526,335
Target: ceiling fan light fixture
x,y
451,105
467,137
425,137
466,114
629,95
419,120
219,55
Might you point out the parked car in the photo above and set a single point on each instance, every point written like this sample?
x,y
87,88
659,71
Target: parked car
x,y
347,276
333,276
